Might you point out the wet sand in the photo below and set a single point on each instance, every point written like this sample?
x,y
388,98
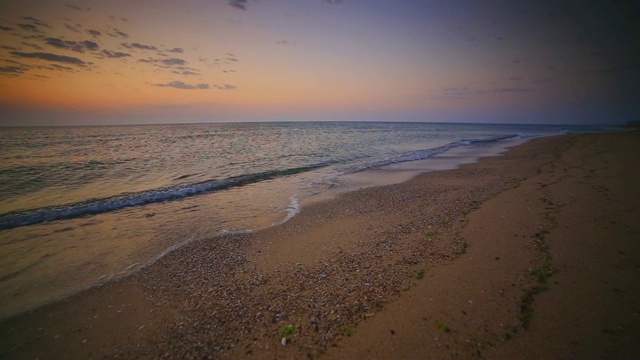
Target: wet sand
x,y
534,254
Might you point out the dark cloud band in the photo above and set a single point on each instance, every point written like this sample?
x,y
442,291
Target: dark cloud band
x,y
49,57
181,85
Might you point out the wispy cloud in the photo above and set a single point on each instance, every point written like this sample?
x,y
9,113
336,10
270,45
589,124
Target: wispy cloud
x,y
5,28
30,27
77,46
37,22
75,7
13,69
181,85
186,72
462,92
238,4
177,50
510,90
115,54
286,43
114,32
542,81
56,67
225,87
31,45
165,62
49,57
173,62
139,46
334,2
94,33
72,28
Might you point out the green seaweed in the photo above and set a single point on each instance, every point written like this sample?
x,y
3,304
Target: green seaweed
x,y
287,330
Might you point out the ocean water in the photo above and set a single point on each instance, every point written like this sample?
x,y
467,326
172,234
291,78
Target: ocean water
x,y
82,205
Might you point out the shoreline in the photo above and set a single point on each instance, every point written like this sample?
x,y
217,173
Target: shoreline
x,y
231,296
391,174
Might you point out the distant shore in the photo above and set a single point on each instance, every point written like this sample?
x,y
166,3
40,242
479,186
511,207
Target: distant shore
x,y
533,254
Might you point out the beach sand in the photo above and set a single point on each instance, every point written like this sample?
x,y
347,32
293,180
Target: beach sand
x,y
534,254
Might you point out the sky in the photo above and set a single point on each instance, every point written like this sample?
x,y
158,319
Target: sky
x,y
167,61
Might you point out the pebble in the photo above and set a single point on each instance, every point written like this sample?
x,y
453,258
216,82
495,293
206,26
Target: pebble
x,y
223,301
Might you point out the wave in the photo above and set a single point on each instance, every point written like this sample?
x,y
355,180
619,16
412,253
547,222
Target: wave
x,y
104,205
421,154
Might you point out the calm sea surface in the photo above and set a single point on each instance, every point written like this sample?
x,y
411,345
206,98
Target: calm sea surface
x,y
81,205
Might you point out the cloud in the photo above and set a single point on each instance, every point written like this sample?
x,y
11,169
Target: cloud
x,y
49,57
225,87
90,45
5,28
13,70
72,28
173,62
94,33
77,46
510,90
36,36
74,7
117,33
542,81
334,2
56,67
515,78
30,27
114,54
35,21
177,50
139,46
462,92
181,85
189,72
113,18
165,62
35,46
238,4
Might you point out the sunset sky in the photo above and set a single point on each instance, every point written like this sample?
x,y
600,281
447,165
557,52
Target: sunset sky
x,y
162,61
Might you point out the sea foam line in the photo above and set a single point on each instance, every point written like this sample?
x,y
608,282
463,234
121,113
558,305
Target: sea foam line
x,y
420,154
98,206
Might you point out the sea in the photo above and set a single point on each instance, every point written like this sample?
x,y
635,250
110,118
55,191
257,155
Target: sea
x,y
80,206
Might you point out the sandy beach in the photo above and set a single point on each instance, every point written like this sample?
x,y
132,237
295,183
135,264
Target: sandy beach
x,y
533,254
